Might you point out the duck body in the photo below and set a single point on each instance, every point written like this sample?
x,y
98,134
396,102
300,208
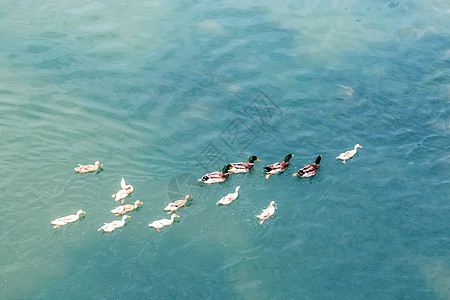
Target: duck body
x,y
309,170
67,219
348,154
278,167
230,197
109,227
124,192
125,208
217,176
242,167
87,168
163,222
171,207
267,213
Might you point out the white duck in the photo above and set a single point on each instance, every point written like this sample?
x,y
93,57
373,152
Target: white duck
x,y
108,227
267,213
67,219
230,197
124,192
163,222
171,207
87,168
125,208
349,154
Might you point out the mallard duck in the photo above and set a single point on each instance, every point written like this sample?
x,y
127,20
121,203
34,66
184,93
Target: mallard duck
x,y
163,222
230,197
88,168
108,227
349,154
217,176
171,207
124,192
309,170
267,213
125,208
67,219
243,167
278,167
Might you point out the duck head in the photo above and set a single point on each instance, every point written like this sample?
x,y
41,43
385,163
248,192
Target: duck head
x,y
318,159
288,157
226,169
252,159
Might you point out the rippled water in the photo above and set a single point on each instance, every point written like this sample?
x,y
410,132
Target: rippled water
x,y
162,92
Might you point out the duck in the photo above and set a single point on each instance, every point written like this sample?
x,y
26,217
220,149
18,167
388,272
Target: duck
x,y
267,213
217,176
109,227
67,219
171,207
163,222
242,167
278,167
124,192
348,154
125,208
309,170
230,197
88,168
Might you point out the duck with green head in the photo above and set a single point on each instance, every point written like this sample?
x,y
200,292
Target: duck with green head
x,y
243,167
309,170
278,167
217,176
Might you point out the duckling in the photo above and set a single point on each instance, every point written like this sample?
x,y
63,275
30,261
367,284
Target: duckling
x,y
171,207
267,213
125,208
230,197
88,168
309,170
124,192
349,154
244,167
278,167
217,176
67,219
163,222
109,227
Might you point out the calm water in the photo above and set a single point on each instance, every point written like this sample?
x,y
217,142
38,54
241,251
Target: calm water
x,y
162,92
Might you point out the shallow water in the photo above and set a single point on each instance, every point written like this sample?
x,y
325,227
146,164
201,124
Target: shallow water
x,y
163,92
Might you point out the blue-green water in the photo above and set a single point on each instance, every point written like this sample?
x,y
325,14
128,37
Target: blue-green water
x,y
162,92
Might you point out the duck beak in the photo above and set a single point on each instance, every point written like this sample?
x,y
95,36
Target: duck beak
x,y
84,212
141,203
100,164
258,159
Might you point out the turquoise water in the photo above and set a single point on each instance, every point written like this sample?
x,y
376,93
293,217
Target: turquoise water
x,y
162,92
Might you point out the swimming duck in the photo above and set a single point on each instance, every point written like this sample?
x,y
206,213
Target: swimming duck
x,y
67,219
108,227
88,168
349,154
309,170
243,167
230,197
217,176
171,207
278,167
125,208
267,213
124,192
163,222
